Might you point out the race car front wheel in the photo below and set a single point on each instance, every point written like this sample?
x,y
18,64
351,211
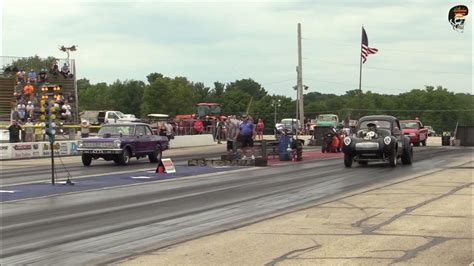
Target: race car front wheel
x,y
86,159
348,160
392,158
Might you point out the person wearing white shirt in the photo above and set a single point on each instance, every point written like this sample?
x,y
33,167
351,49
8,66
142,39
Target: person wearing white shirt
x,y
67,110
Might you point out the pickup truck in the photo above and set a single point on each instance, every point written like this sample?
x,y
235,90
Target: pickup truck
x,y
120,142
107,117
327,120
415,130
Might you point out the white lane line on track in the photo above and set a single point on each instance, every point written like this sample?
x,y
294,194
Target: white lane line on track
x,y
8,191
141,177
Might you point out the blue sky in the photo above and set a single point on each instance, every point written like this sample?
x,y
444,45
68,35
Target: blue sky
x,y
209,41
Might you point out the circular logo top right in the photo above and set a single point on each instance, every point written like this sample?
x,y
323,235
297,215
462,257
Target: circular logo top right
x,y
457,17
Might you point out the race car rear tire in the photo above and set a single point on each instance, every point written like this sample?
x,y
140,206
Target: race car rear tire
x,y
416,144
86,159
156,155
392,158
423,142
348,160
407,155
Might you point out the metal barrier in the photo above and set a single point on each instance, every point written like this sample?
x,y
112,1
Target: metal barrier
x,y
465,135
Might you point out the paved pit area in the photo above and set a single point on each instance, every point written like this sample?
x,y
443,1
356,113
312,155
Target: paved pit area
x,y
424,220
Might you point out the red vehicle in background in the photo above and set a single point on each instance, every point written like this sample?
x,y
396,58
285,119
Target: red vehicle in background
x,y
415,130
207,113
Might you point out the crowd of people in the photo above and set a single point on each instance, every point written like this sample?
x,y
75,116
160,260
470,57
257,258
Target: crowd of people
x,y
28,114
239,132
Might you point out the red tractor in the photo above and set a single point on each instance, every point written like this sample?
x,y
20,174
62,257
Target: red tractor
x,y
204,111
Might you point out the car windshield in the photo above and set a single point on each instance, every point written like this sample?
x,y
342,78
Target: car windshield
x,y
290,122
409,125
379,124
327,118
117,130
429,127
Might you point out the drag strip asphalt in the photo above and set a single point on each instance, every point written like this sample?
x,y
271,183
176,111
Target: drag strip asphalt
x,y
99,226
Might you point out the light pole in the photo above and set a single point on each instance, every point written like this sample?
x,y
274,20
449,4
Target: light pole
x,y
275,104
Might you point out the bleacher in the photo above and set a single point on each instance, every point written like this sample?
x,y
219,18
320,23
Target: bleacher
x,y
7,102
8,82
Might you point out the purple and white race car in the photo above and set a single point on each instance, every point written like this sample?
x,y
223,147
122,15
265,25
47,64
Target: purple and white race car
x,y
120,142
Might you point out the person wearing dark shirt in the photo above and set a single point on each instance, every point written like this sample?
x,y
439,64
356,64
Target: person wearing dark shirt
x,y
43,76
247,135
14,129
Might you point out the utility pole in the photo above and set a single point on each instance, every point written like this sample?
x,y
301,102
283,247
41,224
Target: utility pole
x,y
299,89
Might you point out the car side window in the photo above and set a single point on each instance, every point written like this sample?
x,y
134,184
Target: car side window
x,y
140,130
148,131
396,127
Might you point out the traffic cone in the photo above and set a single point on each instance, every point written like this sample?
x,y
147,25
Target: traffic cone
x,y
161,168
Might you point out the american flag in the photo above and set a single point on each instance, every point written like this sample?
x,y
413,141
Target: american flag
x,y
366,50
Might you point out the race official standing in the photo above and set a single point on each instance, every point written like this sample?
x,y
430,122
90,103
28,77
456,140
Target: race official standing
x,y
14,129
85,129
232,127
247,135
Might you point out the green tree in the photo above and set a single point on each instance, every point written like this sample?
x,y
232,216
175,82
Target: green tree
x,y
34,62
95,97
153,76
201,91
127,96
248,86
218,90
169,96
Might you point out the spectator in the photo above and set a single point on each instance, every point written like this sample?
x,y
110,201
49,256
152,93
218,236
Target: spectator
x,y
55,68
30,109
162,129
67,111
247,136
259,128
207,124
308,126
29,131
169,130
60,99
39,131
232,127
70,97
20,77
219,130
18,96
198,126
85,128
14,129
21,108
65,70
32,76
43,76
181,130
28,91
15,115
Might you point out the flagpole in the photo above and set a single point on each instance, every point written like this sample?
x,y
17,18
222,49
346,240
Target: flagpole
x,y
360,69
360,62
